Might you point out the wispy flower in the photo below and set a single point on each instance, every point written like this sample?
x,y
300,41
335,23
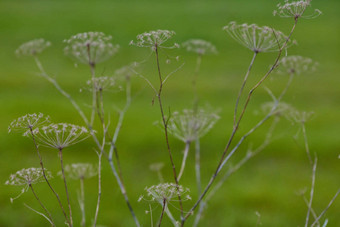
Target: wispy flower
x,y
300,116
189,124
256,38
199,46
126,72
27,177
153,39
61,135
165,192
103,83
79,171
28,122
295,9
32,47
90,47
280,109
296,65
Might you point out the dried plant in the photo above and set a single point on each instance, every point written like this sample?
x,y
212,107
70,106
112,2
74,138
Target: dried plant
x,y
33,47
295,9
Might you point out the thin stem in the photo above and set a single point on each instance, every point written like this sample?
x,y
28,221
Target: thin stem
x,y
161,218
312,210
166,130
311,193
82,202
94,95
185,156
194,80
99,188
41,214
65,184
242,87
198,165
306,142
237,125
42,205
44,174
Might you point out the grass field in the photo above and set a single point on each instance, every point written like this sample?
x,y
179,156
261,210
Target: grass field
x,y
268,183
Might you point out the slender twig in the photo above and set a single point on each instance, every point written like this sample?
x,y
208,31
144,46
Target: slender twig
x,y
303,126
237,125
161,218
242,87
43,215
44,175
166,130
311,210
42,205
328,206
65,184
185,156
82,202
311,192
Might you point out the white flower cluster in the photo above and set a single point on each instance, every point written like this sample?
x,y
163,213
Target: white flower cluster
x,y
79,171
281,108
256,38
90,47
295,9
26,177
102,83
32,47
167,192
28,122
189,124
61,135
153,39
199,46
300,116
296,65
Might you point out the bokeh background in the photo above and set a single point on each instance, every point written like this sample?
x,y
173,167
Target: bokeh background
x,y
268,184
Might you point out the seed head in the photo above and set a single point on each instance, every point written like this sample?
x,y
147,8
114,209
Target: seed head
x,y
32,48
295,9
126,72
156,166
281,108
61,135
79,171
28,122
103,83
199,46
166,191
90,47
299,116
153,39
189,124
256,38
28,176
296,65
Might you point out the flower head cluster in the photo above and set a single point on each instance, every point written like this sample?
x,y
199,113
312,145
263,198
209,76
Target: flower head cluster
x,y
256,38
296,65
299,116
295,9
28,122
79,171
126,72
28,176
103,83
153,39
199,46
61,135
167,192
90,47
189,124
279,109
32,47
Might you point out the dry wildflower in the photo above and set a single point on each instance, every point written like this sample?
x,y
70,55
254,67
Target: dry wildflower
x,y
90,47
295,9
166,192
153,39
189,124
28,122
32,47
103,83
296,65
300,116
61,135
279,109
126,72
199,46
79,171
156,166
256,38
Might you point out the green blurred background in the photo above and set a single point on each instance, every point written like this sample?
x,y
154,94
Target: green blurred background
x,y
268,183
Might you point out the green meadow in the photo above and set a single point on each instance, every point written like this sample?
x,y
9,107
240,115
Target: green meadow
x,y
268,184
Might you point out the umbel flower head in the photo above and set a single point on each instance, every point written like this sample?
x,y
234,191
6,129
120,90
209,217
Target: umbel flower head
x,y
199,46
153,39
61,135
256,38
32,47
79,171
296,65
189,124
28,122
295,9
279,109
103,83
90,47
167,192
27,177
297,116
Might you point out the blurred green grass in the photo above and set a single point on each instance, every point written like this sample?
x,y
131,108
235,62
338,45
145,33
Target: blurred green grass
x,y
267,184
